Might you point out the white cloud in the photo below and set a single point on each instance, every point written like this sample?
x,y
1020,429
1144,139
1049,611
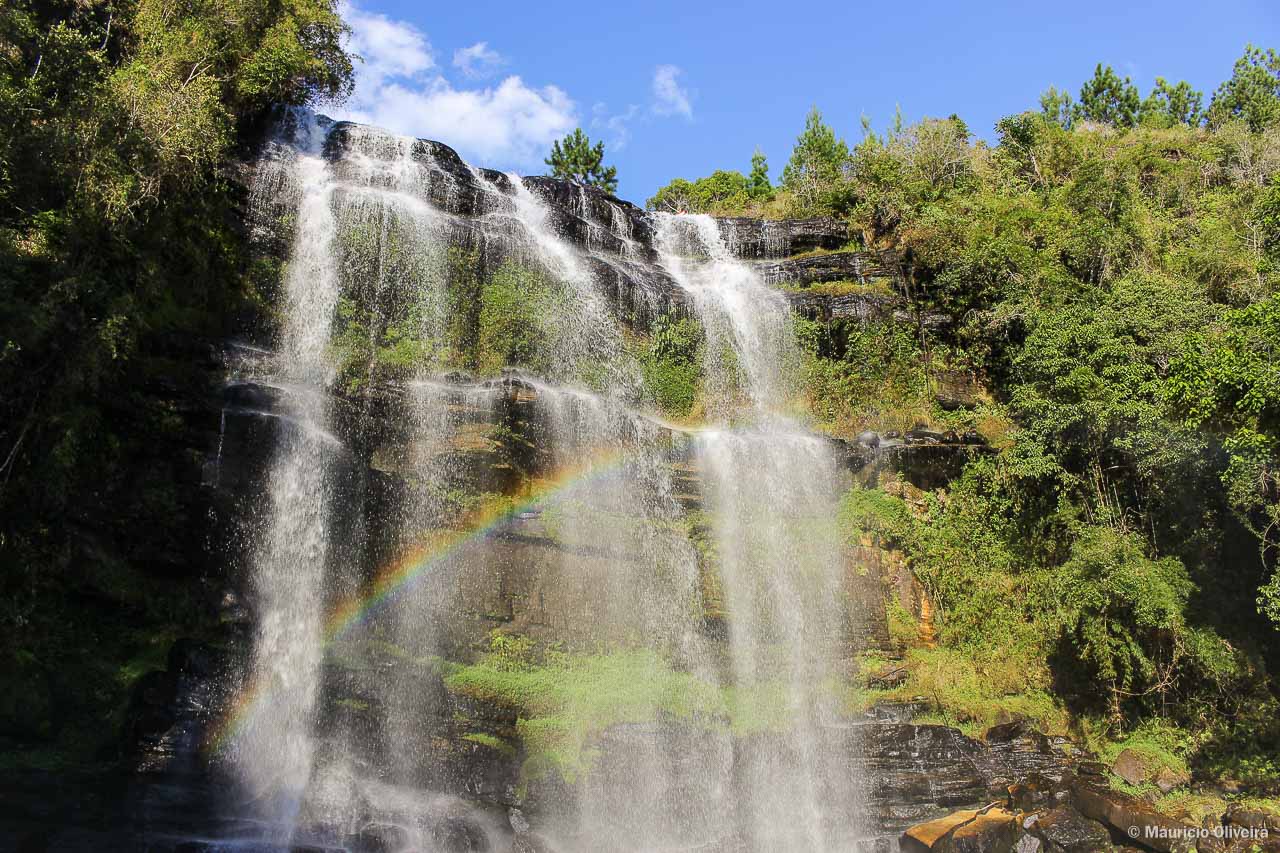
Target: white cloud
x,y
510,124
399,87
617,125
387,48
478,60
669,97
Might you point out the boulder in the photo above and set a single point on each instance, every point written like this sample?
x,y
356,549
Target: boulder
x,y
1238,815
1131,767
989,830
1037,791
1065,830
1168,779
1131,818
1028,844
932,835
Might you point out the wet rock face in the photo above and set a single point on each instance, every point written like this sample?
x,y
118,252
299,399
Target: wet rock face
x,y
860,267
765,238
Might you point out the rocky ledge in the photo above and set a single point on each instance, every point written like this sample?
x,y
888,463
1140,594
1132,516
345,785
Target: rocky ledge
x,y
860,267
1062,803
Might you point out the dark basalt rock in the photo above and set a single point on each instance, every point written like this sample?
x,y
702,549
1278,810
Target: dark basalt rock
x,y
779,238
1065,830
862,267
1130,817
863,307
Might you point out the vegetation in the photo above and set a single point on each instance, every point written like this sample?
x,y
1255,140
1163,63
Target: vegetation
x,y
566,700
672,364
576,159
120,251
721,192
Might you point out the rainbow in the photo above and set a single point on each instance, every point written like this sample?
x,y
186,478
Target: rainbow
x,y
398,576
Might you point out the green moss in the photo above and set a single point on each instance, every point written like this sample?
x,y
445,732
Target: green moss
x,y
904,628
967,693
873,513
491,741
352,704
567,700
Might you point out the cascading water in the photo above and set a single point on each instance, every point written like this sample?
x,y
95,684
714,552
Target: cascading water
x,y
274,751
350,723
772,491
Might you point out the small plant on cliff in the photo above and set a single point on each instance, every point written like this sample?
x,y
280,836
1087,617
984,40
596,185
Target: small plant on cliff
x,y
576,159
672,367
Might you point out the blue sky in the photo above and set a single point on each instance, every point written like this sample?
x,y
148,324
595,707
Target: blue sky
x,y
683,88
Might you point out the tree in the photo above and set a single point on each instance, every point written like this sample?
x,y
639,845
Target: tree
x,y
574,158
816,161
1169,105
721,192
1107,99
1252,93
1057,106
758,186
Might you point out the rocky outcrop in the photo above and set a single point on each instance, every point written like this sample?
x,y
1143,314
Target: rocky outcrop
x,y
987,830
860,267
1067,807
1065,830
779,238
1130,817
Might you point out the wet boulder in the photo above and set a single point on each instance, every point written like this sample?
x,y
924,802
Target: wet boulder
x,y
988,830
1065,830
1132,818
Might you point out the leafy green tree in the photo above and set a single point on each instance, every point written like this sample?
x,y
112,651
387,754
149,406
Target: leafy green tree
x,y
1107,99
1125,612
1169,105
817,162
1253,92
758,186
722,192
574,158
676,197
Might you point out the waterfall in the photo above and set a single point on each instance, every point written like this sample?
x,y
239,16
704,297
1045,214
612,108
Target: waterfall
x,y
772,492
274,753
436,484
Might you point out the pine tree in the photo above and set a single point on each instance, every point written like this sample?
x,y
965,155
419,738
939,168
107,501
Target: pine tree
x,y
816,161
1057,106
576,159
1252,93
758,185
1108,100
1169,105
